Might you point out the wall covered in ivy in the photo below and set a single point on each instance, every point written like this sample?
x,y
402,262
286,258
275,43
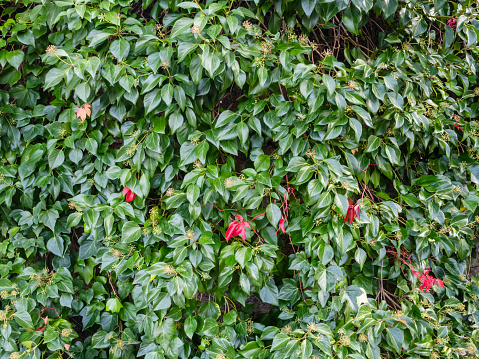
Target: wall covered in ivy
x,y
239,179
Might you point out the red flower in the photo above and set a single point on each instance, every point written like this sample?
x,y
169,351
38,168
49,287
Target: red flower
x,y
237,228
281,225
353,211
457,126
130,196
452,23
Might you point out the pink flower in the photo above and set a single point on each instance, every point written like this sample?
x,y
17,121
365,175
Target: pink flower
x,y
130,196
452,23
237,228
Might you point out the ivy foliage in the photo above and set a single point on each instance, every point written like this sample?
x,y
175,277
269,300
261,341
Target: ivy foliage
x,y
142,141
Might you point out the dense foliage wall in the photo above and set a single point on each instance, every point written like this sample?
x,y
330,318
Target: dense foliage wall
x,y
243,179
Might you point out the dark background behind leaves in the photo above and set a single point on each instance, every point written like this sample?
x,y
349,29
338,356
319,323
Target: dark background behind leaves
x,y
206,110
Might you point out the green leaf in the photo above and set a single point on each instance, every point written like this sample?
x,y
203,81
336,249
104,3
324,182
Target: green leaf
x,y
56,158
185,48
351,295
471,36
99,38
53,78
342,202
262,163
175,121
242,130
296,163
328,277
262,76
274,214
211,62
152,100
23,319
269,293
420,26
330,84
243,255
373,143
325,253
130,232
304,174
308,6
244,283
113,305
449,38
280,341
201,150
190,326
224,118
264,178
240,193
306,349
120,48
166,330
56,246
360,256
73,219
15,58
181,26
49,218
391,83
167,94
351,19
192,193
315,187
83,91
153,142
395,338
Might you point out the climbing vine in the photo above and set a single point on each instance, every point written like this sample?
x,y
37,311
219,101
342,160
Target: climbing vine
x,y
239,179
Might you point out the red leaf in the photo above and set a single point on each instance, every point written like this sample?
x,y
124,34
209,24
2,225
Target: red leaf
x,y
281,224
243,234
357,211
237,228
351,216
130,196
67,346
354,211
427,281
231,230
84,111
452,23
440,283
